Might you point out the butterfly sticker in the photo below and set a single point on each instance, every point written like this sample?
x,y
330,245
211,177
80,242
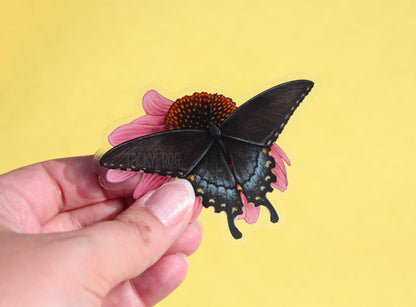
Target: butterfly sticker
x,y
222,150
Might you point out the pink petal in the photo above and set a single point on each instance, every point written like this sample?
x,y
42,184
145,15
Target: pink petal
x,y
197,209
131,131
149,182
281,180
280,164
152,120
148,129
279,170
279,185
156,104
278,151
250,213
115,175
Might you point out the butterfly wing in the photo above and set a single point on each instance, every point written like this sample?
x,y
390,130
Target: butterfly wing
x,y
252,168
249,132
214,183
170,153
261,119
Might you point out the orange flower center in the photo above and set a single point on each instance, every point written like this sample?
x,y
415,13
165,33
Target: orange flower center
x,y
198,110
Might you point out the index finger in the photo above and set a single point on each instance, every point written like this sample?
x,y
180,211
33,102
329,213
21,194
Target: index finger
x,y
58,185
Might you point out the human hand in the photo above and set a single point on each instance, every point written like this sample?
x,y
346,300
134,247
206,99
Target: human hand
x,y
65,241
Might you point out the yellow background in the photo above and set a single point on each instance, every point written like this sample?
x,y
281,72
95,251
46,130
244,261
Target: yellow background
x,y
69,70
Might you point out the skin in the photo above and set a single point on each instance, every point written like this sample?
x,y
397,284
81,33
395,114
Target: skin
x,y
66,241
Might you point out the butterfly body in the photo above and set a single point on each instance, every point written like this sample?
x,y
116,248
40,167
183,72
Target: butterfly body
x,y
222,159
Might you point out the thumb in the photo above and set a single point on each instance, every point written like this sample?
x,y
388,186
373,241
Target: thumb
x,y
137,238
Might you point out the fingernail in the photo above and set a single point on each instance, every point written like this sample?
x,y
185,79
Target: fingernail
x,y
185,258
172,202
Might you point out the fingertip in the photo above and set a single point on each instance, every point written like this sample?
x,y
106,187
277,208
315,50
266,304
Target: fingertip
x,y
188,187
189,241
185,259
201,229
172,203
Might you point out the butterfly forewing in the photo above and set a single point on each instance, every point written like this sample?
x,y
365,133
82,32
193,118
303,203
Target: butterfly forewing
x,y
261,119
173,153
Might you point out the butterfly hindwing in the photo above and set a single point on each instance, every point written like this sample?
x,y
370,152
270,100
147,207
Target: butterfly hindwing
x,y
215,184
166,153
252,167
261,119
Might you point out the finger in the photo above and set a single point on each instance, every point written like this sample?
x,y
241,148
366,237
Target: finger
x,y
189,240
112,179
137,238
85,216
152,286
78,182
46,188
124,294
187,243
161,279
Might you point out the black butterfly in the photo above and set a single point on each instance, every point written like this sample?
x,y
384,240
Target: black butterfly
x,y
222,161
